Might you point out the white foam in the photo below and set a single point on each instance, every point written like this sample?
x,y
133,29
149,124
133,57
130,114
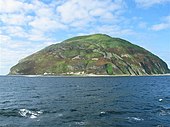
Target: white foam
x,y
102,112
33,117
81,123
29,114
135,119
31,75
160,99
39,112
60,114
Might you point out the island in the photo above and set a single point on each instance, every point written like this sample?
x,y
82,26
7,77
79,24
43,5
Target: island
x,y
96,54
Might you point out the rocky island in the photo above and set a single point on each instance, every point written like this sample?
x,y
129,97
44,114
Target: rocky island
x,y
96,54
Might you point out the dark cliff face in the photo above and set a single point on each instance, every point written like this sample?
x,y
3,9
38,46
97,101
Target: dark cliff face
x,y
94,54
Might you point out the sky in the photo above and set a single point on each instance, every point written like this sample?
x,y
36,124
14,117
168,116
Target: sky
x,y
27,26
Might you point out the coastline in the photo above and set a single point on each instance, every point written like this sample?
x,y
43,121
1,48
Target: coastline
x,y
88,75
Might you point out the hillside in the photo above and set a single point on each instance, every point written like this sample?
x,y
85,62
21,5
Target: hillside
x,y
97,54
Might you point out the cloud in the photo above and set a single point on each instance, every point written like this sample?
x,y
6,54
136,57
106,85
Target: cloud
x,y
10,6
46,24
88,10
8,58
4,38
34,20
15,19
31,21
12,51
162,26
14,6
14,31
149,3
44,12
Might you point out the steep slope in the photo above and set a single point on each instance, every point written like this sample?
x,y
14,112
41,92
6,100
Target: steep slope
x,y
97,54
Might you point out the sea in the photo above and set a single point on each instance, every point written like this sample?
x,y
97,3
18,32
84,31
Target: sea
x,y
132,101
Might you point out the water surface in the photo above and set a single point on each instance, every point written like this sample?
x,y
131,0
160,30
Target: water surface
x,y
85,101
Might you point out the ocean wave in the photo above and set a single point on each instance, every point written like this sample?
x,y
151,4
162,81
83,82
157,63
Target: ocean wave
x,y
29,114
164,113
82,123
8,112
109,112
166,107
160,100
134,119
32,76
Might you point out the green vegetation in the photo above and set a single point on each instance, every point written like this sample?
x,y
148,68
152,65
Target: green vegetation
x,y
97,54
109,69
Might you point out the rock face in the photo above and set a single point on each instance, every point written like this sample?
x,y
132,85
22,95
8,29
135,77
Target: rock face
x,y
97,54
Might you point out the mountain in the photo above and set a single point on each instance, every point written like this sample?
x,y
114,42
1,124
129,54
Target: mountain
x,y
97,54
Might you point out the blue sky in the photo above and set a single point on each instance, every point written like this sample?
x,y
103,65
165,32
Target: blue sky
x,y
27,26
